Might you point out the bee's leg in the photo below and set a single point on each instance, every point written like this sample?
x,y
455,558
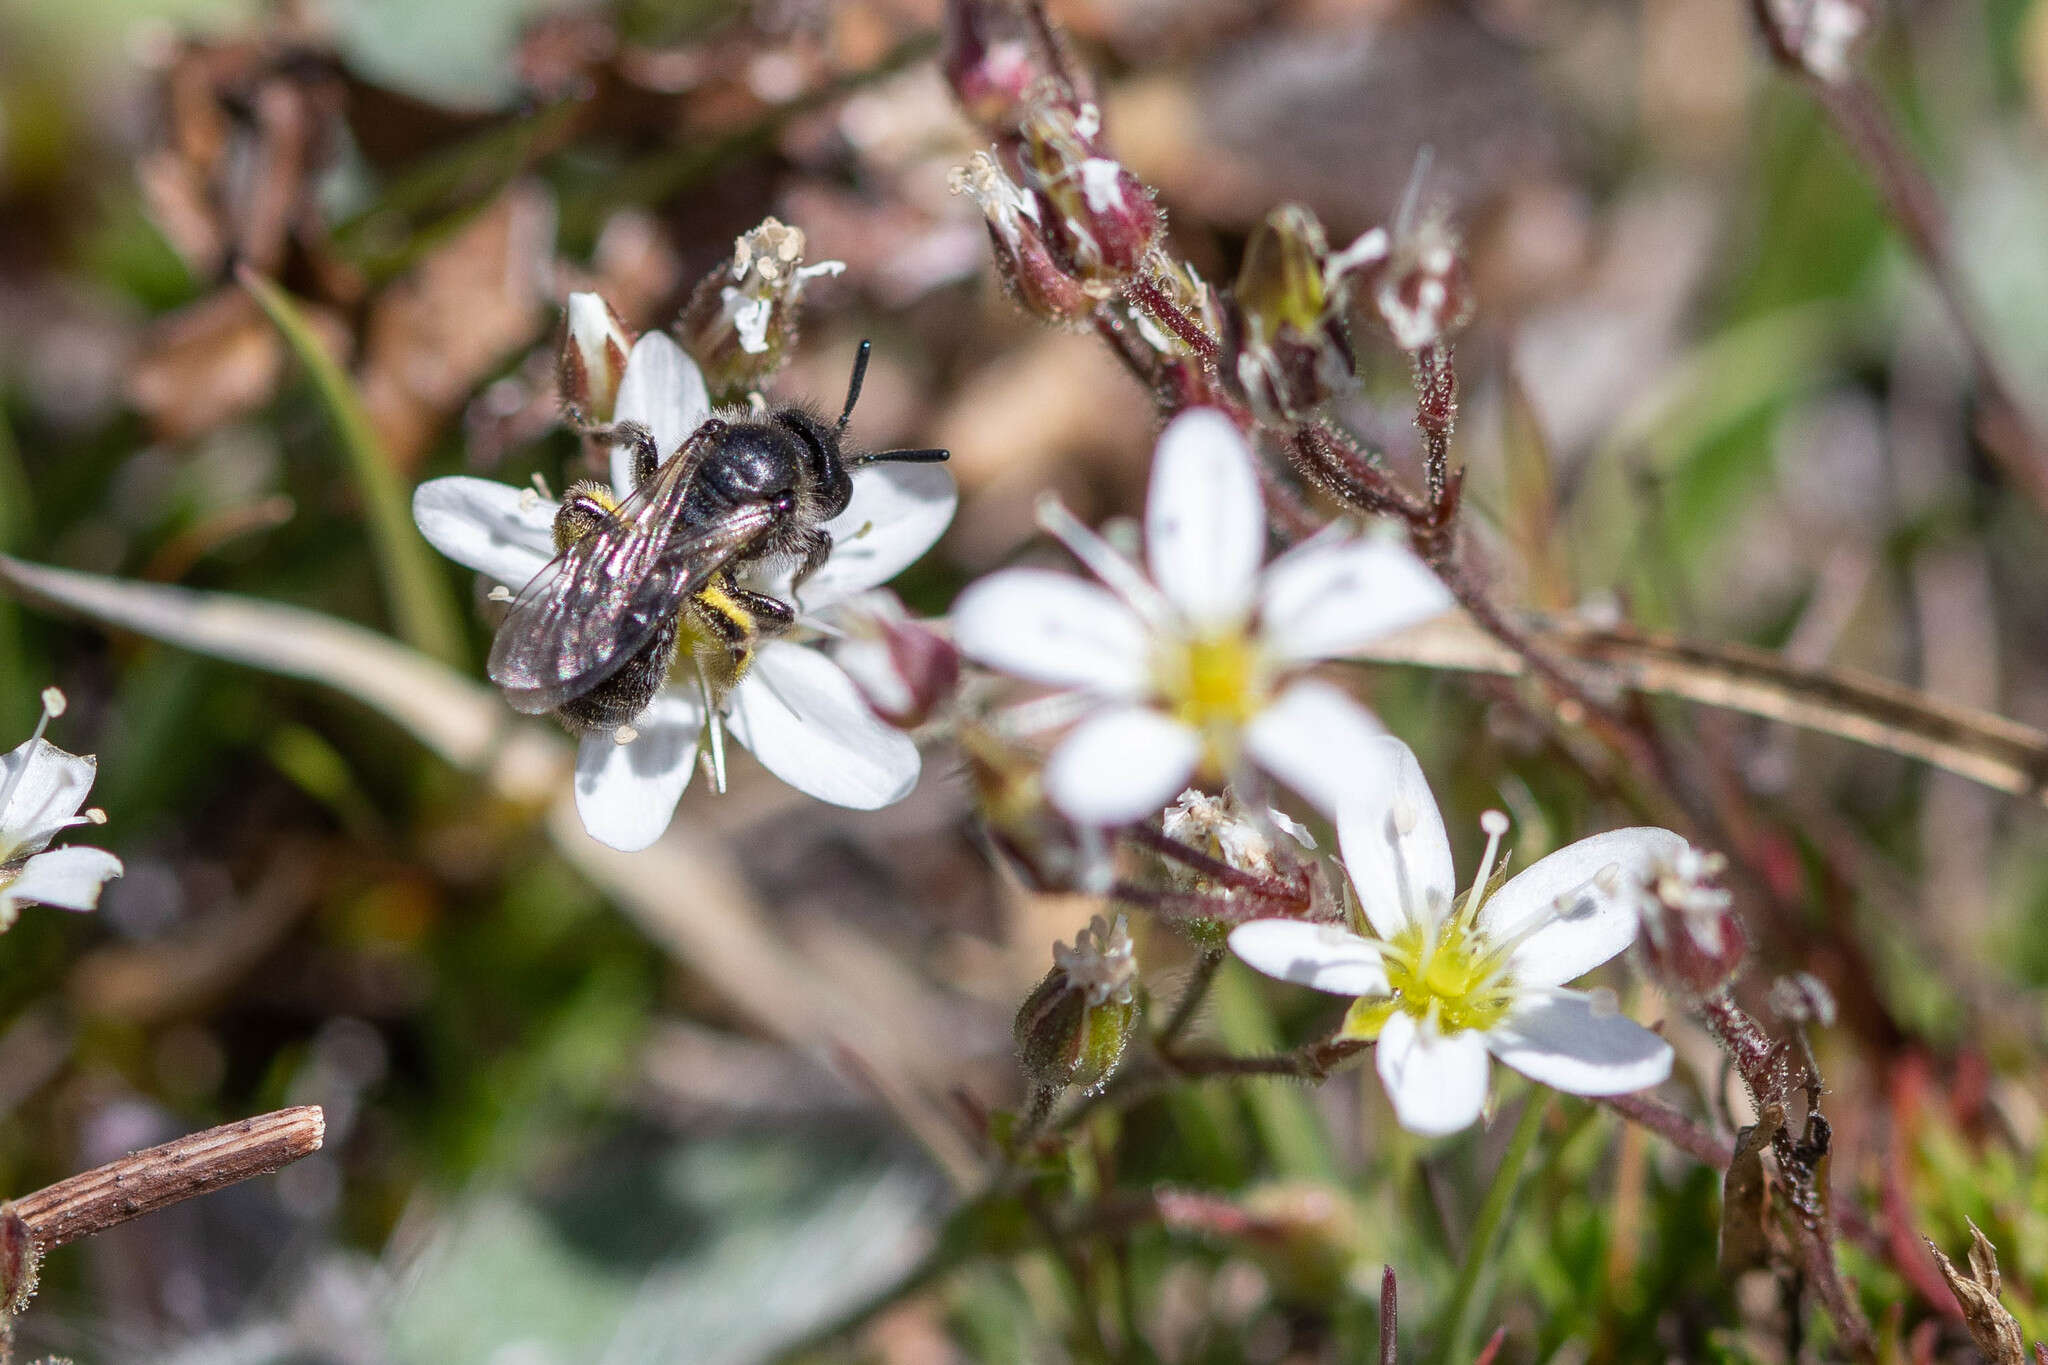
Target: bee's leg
x,y
585,507
816,547
646,455
771,614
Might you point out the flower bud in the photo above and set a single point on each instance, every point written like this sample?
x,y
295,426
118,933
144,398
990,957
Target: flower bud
x,y
1803,998
1692,942
19,1262
903,668
1024,261
1073,1028
988,57
1820,37
1423,291
1284,348
1188,292
1099,219
593,358
741,321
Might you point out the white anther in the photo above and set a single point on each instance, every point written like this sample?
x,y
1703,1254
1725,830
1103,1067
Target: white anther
x,y
94,815
1404,816
625,734
1608,879
499,593
53,702
1494,823
528,499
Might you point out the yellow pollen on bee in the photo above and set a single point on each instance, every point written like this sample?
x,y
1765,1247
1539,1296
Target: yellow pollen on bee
x,y
1215,684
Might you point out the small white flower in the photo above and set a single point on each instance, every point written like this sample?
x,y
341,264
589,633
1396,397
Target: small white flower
x,y
795,709
41,789
1195,667
1442,981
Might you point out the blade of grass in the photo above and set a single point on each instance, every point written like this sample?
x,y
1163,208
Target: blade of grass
x,y
414,587
1283,1111
17,514
1467,1303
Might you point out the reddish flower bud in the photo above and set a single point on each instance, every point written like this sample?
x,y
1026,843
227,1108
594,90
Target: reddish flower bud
x,y
1024,260
1423,292
904,668
990,60
593,358
1098,218
1692,942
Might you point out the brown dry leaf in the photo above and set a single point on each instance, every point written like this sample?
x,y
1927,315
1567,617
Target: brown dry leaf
x,y
213,361
1995,1330
435,334
1745,1244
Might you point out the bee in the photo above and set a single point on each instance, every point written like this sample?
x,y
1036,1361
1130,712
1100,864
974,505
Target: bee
x,y
595,634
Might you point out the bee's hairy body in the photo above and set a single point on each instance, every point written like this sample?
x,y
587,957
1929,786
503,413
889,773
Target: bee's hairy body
x,y
790,457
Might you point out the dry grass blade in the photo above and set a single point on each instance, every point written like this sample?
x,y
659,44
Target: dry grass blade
x,y
2000,753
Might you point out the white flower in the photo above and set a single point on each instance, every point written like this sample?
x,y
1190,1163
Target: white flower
x,y
1195,667
41,789
1444,981
795,709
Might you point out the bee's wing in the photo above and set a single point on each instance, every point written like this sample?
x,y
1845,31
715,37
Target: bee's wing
x,y
600,601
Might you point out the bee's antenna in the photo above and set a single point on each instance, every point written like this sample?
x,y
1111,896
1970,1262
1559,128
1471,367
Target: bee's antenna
x,y
905,457
860,373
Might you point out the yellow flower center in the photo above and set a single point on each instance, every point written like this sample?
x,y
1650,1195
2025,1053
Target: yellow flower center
x,y
1453,975
1215,684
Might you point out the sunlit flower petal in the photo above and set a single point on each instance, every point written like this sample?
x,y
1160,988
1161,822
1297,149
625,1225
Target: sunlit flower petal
x,y
1054,628
45,787
1318,740
67,878
501,531
1437,1081
1394,844
1121,764
1327,599
1589,888
1322,956
627,793
1564,1039
809,725
898,512
1205,522
663,390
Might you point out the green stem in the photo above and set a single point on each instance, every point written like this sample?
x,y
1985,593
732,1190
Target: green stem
x,y
1467,1303
413,585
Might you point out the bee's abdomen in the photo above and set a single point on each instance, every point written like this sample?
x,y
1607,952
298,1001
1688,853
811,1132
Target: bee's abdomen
x,y
620,699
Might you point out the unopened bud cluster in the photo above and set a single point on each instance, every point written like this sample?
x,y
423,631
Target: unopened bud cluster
x,y
1422,293
1073,1028
1692,941
595,344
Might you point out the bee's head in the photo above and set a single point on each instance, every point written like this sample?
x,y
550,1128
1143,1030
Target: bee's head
x,y
822,481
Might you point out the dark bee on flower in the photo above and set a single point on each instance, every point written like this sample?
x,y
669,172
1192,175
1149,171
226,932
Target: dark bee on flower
x,y
593,636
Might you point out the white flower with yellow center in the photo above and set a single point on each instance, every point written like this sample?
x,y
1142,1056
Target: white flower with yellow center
x,y
798,712
41,789
1443,980
1195,666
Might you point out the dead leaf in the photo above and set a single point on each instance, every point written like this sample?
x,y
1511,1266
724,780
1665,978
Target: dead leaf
x,y
1996,1331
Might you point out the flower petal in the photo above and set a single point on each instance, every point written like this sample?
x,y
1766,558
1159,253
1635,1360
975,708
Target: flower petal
x,y
1318,740
1395,848
627,793
68,878
663,390
808,724
503,532
1322,956
898,512
1437,1081
1205,522
45,798
1562,1040
1121,764
1054,628
1326,599
1592,909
